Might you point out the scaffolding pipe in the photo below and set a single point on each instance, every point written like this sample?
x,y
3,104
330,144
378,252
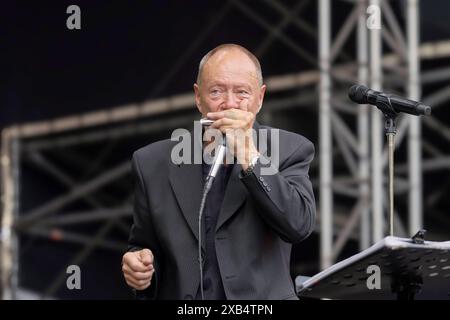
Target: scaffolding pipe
x,y
363,124
414,134
325,143
376,133
10,190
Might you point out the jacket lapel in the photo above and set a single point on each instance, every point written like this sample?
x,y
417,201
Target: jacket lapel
x,y
235,192
187,184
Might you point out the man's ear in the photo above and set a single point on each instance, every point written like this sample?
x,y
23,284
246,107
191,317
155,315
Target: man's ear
x,y
261,97
197,97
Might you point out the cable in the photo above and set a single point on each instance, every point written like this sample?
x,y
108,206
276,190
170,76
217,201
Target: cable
x,y
208,184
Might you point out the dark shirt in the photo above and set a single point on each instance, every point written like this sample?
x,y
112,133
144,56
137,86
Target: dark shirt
x,y
212,281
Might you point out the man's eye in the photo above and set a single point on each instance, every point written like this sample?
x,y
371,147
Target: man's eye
x,y
215,92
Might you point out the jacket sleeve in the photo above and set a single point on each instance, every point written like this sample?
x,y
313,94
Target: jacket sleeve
x,y
142,234
285,199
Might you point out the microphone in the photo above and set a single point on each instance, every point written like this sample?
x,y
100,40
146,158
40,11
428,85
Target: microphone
x,y
387,103
218,161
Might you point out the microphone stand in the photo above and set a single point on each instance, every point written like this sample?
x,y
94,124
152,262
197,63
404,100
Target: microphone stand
x,y
383,103
363,95
390,131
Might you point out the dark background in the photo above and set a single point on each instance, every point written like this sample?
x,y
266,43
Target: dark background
x,y
129,52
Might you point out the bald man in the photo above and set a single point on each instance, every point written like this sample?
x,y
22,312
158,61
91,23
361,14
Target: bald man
x,y
252,217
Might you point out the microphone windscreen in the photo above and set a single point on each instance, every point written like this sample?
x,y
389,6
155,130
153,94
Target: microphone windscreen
x,y
357,93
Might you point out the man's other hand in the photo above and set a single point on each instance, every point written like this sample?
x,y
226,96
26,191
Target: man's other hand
x,y
137,268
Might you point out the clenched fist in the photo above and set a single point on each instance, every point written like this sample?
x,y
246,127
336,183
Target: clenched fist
x,y
137,268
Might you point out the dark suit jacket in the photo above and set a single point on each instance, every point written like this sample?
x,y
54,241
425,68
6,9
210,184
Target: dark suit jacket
x,y
261,216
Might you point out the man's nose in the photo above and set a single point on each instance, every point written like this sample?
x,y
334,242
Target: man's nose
x,y
231,101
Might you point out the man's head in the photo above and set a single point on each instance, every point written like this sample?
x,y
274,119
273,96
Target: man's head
x,y
229,76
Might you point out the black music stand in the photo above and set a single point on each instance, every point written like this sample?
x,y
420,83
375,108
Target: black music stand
x,y
409,269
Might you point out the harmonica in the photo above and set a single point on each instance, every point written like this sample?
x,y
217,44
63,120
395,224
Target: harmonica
x,y
206,122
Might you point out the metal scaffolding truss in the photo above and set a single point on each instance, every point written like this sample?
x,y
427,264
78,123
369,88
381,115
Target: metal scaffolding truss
x,y
29,142
362,149
335,70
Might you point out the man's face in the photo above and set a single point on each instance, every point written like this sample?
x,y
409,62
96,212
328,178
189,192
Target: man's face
x,y
229,80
